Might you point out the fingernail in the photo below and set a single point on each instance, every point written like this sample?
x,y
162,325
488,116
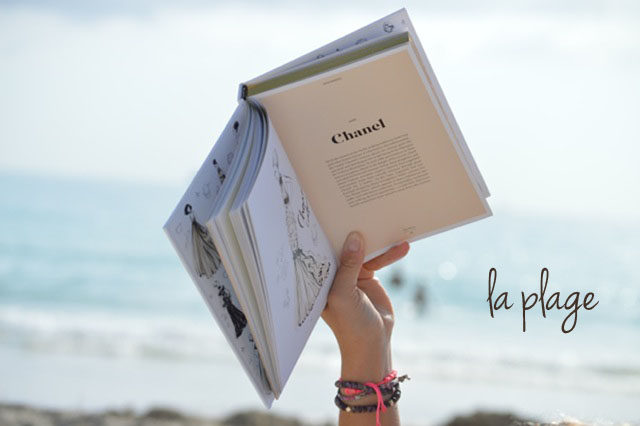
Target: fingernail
x,y
354,242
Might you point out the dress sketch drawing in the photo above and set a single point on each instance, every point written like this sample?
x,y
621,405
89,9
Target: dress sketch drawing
x,y
207,262
237,317
310,270
206,256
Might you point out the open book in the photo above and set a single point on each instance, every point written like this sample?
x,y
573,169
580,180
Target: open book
x,y
356,135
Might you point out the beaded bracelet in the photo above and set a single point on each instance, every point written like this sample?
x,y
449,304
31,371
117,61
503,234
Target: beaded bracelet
x,y
352,388
389,385
369,408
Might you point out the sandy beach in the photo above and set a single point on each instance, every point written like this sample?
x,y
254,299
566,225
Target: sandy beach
x,y
23,415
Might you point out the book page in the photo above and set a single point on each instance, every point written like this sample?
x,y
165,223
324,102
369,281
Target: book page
x,y
295,256
226,243
374,152
192,241
393,23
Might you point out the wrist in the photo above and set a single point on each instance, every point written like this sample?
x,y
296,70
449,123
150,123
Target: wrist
x,y
370,364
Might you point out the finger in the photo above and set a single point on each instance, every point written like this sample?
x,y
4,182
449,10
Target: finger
x,y
376,293
390,256
350,264
394,254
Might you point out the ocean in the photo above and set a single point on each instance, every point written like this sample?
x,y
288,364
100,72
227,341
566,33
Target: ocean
x,y
97,312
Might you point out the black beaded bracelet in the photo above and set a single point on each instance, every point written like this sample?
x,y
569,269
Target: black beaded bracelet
x,y
395,396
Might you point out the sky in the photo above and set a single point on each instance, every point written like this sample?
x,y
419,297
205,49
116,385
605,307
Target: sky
x,y
546,93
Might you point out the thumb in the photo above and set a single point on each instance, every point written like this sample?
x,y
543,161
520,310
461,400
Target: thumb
x,y
350,263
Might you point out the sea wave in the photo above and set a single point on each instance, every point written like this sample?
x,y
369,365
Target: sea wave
x,y
109,334
179,339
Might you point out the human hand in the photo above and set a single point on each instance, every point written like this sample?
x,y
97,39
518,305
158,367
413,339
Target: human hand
x,y
360,313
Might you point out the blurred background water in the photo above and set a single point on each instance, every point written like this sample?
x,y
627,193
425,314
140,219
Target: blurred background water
x,y
91,290
107,109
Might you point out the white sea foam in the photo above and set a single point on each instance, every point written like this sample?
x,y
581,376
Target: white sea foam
x,y
436,351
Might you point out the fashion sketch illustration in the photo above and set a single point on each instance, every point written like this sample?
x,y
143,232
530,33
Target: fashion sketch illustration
x,y
205,255
311,271
207,262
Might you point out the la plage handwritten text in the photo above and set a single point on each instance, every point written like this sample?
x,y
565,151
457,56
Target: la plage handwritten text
x,y
572,303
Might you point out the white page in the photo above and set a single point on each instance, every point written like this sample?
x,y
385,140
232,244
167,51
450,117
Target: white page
x,y
296,256
216,289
